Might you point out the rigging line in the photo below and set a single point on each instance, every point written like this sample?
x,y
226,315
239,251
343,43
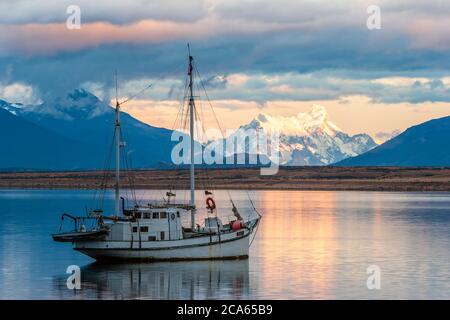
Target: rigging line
x,y
96,196
103,181
223,136
208,183
128,171
183,101
214,113
180,115
133,96
124,136
253,205
201,132
209,101
197,128
180,111
256,231
181,107
117,95
106,173
201,116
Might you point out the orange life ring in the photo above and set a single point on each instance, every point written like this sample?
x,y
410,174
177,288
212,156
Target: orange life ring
x,y
210,204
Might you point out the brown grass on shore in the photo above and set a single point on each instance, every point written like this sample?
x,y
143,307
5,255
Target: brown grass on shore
x,y
288,178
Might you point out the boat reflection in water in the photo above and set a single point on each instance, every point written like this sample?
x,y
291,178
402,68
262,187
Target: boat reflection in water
x,y
169,280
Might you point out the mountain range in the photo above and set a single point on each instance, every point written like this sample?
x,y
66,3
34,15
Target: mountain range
x,y
310,138
75,132
423,145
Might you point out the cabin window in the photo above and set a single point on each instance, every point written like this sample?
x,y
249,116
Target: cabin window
x,y
163,235
147,215
178,214
155,215
137,215
144,229
163,215
134,229
151,238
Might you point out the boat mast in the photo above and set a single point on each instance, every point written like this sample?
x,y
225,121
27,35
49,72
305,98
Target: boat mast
x,y
191,129
117,135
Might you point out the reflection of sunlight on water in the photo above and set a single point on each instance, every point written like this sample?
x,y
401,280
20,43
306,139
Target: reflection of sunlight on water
x,y
319,245
297,241
311,244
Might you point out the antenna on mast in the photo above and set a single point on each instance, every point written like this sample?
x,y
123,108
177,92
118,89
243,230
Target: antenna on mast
x,y
191,129
117,95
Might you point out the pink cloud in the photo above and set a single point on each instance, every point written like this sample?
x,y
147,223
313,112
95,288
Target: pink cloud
x,y
55,37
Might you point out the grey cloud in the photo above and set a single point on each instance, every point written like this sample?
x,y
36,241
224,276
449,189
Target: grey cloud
x,y
215,82
337,50
114,11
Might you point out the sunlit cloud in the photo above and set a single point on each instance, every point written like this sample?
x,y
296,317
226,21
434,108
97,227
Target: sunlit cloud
x,y
34,38
19,93
353,114
39,26
254,56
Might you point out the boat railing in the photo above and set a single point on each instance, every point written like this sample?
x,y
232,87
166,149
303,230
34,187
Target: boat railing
x,y
78,221
164,205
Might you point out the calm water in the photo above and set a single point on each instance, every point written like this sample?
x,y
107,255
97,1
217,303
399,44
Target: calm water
x,y
310,244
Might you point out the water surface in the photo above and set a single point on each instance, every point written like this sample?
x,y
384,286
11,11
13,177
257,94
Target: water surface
x,y
310,245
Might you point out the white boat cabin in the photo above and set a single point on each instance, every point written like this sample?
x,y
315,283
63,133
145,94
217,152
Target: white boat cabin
x,y
148,224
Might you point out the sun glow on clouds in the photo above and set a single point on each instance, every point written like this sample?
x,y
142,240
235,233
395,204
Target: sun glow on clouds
x,y
353,114
401,81
37,32
49,38
347,101
19,93
278,51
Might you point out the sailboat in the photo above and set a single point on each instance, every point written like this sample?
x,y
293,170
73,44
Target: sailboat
x,y
155,232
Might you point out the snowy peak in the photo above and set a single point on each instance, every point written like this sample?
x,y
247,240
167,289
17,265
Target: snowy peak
x,y
13,108
303,124
77,104
318,114
310,138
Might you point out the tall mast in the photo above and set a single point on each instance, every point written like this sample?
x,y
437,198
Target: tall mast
x,y
117,135
191,129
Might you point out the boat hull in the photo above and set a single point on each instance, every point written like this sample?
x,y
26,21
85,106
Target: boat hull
x,y
234,245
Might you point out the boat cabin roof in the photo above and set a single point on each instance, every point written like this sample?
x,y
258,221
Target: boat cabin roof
x,y
167,206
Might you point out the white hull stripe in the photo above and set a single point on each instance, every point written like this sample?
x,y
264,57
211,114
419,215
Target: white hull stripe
x,y
168,248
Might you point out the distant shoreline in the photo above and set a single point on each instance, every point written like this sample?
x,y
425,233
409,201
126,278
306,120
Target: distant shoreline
x,y
288,178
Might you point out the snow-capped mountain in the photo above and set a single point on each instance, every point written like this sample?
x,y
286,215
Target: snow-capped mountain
x,y
311,138
78,104
74,130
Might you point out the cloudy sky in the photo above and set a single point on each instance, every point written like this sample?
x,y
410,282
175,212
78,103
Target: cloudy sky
x,y
277,57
